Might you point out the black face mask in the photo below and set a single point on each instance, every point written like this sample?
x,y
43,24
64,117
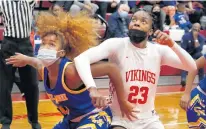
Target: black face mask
x,y
156,13
137,36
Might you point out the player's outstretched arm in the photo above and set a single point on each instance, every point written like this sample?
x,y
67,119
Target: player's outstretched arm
x,y
95,54
20,60
190,78
174,55
102,69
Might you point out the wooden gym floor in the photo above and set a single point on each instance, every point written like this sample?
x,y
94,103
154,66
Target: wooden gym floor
x,y
167,106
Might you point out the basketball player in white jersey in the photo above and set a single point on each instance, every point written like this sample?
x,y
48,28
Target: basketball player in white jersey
x,y
139,62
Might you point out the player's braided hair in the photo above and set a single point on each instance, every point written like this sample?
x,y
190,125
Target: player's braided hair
x,y
76,34
148,12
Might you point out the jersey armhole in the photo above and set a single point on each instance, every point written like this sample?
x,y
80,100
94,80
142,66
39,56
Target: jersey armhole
x,y
64,84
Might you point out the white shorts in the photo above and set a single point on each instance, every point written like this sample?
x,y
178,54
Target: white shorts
x,y
148,122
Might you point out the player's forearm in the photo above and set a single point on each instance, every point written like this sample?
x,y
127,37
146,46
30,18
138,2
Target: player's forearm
x,y
83,68
82,64
95,54
187,61
189,82
34,62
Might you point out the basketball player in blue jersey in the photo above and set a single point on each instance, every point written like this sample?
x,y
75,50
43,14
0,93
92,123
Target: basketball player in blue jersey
x,y
64,37
194,101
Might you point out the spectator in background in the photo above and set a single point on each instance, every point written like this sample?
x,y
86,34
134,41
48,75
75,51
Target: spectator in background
x,y
195,11
33,25
169,7
193,43
203,18
113,6
131,3
84,5
66,5
158,23
203,22
204,7
55,9
152,6
103,4
146,4
181,18
118,22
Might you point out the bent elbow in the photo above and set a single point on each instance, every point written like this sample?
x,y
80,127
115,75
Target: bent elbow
x,y
192,67
112,65
112,68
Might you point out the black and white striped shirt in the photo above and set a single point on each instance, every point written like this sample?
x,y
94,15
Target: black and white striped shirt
x,y
17,15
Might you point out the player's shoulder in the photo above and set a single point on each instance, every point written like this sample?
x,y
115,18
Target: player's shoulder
x,y
69,70
157,46
152,44
116,42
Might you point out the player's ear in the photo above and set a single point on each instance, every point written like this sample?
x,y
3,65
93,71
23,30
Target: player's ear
x,y
150,32
61,53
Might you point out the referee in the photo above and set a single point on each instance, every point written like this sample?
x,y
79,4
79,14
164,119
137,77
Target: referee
x,y
17,15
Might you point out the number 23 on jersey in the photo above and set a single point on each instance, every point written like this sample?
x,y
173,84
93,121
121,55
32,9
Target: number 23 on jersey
x,y
135,91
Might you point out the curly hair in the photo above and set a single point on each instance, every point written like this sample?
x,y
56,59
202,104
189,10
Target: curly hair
x,y
76,34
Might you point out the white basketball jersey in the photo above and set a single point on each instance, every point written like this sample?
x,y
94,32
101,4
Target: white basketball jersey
x,y
140,69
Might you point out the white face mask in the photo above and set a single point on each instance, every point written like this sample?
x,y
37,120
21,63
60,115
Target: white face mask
x,y
47,56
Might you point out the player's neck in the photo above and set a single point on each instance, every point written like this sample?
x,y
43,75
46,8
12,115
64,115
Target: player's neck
x,y
54,68
143,44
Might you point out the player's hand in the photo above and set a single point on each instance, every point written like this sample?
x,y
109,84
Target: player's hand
x,y
163,38
18,60
98,100
128,109
184,101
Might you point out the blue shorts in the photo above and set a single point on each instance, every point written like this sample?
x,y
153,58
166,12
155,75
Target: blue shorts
x,y
99,120
196,111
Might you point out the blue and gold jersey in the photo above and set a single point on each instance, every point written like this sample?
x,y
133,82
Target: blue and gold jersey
x,y
202,84
196,111
72,102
